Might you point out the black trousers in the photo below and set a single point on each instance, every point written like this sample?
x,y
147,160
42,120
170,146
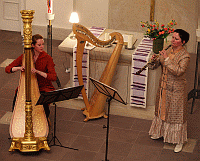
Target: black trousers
x,y
46,106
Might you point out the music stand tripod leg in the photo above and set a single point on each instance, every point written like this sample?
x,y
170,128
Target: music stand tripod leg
x,y
55,96
54,138
106,154
54,132
108,91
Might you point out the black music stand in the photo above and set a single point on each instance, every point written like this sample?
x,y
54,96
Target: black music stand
x,y
55,96
112,94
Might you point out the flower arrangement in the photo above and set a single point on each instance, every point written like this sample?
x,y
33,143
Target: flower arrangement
x,y
153,30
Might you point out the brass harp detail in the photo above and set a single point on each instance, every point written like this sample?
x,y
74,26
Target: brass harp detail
x,y
95,107
27,16
28,142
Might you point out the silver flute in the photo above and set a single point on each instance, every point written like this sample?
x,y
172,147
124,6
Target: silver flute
x,y
151,61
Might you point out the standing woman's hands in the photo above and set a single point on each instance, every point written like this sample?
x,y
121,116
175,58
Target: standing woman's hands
x,y
153,57
163,53
163,56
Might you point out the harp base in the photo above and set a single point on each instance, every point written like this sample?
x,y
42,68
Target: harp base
x,y
30,145
88,116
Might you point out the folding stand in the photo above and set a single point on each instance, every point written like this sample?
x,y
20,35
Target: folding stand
x,y
55,96
112,94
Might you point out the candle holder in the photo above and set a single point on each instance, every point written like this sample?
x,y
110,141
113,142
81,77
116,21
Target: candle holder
x,y
73,19
129,48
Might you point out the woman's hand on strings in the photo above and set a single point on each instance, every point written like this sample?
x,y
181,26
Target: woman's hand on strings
x,y
34,71
22,68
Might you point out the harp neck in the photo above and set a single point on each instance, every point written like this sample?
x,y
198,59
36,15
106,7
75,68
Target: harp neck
x,y
83,34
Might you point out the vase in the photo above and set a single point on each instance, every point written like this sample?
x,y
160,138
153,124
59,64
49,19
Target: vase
x,y
157,45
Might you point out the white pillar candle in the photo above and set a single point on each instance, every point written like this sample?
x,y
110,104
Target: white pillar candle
x,y
130,41
107,36
50,6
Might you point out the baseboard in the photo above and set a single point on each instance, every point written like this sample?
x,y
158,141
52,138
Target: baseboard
x,y
57,33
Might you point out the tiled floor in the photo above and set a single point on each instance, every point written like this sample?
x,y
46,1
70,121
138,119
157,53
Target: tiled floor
x,y
128,137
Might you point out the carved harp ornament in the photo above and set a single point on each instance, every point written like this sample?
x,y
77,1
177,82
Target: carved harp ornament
x,y
95,107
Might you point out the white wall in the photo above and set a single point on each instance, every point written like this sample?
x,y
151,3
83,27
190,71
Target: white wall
x,y
126,15
116,14
61,8
199,15
91,12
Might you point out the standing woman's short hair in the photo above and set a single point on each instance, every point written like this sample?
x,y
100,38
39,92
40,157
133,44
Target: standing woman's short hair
x,y
35,38
183,35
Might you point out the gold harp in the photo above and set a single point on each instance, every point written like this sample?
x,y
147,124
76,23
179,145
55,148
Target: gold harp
x,y
28,127
95,107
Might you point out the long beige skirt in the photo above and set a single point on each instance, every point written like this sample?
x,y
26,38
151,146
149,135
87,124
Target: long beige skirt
x,y
172,133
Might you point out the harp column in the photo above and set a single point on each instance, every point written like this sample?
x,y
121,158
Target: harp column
x,y
28,143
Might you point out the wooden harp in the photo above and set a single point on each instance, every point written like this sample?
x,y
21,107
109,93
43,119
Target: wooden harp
x,y
95,107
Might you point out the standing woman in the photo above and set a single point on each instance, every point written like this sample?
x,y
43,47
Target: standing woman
x,y
170,121
44,68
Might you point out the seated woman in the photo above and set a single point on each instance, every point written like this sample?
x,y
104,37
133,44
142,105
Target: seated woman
x,y
44,68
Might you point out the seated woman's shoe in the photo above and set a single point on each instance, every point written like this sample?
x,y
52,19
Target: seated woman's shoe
x,y
178,148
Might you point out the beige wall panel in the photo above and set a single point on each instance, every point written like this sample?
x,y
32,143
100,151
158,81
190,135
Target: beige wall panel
x,y
93,12
127,14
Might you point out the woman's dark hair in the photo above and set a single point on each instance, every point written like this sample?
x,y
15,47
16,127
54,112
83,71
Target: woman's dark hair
x,y
183,35
35,38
